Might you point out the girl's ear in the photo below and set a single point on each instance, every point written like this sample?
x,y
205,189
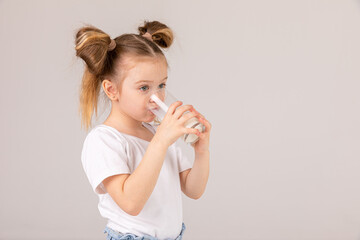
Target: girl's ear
x,y
110,89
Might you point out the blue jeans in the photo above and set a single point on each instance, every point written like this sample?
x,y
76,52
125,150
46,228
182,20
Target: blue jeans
x,y
114,235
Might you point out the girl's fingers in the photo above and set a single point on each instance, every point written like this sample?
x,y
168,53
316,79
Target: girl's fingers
x,y
191,131
181,110
200,115
206,123
203,120
187,116
173,107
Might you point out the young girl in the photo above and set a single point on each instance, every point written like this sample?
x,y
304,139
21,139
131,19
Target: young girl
x,y
136,168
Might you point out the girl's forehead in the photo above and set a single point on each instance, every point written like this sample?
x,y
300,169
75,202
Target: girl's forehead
x,y
132,61
146,70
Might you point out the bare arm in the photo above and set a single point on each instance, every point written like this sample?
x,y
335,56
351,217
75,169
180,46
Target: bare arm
x,y
131,192
194,181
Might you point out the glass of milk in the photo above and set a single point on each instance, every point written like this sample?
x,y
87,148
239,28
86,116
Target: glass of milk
x,y
161,101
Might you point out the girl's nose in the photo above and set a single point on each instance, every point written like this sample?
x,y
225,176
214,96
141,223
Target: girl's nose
x,y
152,103
150,98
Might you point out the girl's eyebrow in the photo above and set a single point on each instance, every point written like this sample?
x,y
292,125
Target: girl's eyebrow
x,y
140,81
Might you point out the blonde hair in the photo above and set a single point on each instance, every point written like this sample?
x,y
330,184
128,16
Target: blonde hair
x,y
92,45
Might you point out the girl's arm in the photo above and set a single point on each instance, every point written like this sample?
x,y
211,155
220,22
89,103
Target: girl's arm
x,y
131,192
193,181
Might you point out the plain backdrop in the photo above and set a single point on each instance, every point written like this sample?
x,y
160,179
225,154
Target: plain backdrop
x,y
278,80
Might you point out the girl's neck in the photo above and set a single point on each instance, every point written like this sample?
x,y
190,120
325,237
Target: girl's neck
x,y
124,123
142,132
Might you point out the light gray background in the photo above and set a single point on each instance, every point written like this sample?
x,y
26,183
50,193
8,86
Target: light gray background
x,y
278,80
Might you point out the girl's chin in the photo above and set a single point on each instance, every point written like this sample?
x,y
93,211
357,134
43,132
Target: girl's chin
x,y
151,116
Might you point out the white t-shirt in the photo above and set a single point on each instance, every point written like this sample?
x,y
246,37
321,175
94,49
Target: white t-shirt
x,y
107,152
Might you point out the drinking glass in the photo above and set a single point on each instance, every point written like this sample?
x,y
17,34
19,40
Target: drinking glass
x,y
162,99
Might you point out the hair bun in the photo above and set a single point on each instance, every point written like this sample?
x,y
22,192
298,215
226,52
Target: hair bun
x,y
92,46
161,34
112,45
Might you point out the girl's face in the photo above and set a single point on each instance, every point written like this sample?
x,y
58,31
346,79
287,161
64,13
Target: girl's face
x,y
143,78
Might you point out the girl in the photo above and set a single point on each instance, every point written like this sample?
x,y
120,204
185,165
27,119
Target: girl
x,y
136,168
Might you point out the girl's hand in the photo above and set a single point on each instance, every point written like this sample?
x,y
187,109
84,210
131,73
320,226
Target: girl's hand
x,y
202,145
173,125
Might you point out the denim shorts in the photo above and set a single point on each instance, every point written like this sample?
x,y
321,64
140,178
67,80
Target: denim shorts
x,y
114,235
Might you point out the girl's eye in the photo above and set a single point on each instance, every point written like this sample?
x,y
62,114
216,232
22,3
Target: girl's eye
x,y
142,88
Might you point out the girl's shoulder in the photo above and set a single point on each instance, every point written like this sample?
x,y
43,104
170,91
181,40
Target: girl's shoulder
x,y
105,132
102,139
102,132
